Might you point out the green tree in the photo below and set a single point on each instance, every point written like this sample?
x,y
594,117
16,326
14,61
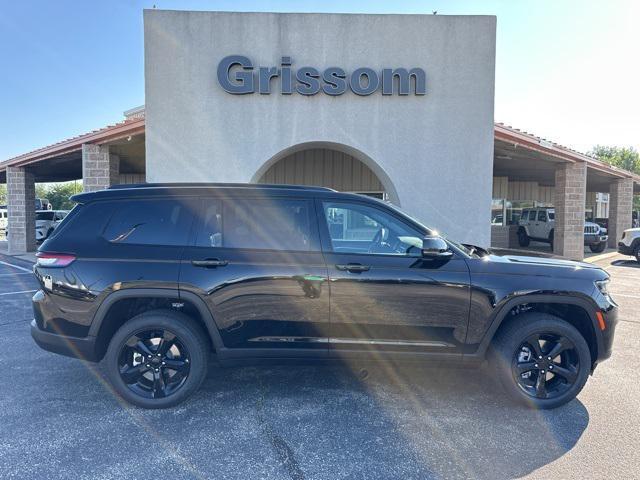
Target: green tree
x,y
3,194
58,193
622,157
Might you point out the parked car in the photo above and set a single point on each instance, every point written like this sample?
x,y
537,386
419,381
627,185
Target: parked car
x,y
629,244
539,224
43,204
3,220
156,278
47,221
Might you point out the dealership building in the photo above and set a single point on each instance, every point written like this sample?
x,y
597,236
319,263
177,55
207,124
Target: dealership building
x,y
395,106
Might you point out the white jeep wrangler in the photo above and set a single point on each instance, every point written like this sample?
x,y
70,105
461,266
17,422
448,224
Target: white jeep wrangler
x,y
538,224
629,244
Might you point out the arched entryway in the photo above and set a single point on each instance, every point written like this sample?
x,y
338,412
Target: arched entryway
x,y
328,165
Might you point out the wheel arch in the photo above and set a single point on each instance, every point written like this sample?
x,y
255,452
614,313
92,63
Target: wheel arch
x,y
120,306
575,310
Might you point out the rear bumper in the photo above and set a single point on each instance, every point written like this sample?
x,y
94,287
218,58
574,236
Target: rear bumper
x,y
82,348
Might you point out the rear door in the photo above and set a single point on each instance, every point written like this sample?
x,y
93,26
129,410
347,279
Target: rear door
x,y
256,262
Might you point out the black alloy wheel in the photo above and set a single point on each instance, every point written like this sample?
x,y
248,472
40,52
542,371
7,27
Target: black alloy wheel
x,y
545,365
154,363
541,360
158,358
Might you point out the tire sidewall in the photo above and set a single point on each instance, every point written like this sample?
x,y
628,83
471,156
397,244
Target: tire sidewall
x,y
190,335
543,324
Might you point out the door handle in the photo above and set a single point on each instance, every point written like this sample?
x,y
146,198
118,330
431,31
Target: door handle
x,y
209,263
353,267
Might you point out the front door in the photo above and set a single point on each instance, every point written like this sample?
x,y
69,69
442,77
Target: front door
x,y
257,264
384,295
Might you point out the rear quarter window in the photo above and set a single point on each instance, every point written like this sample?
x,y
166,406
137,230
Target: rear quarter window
x,y
150,222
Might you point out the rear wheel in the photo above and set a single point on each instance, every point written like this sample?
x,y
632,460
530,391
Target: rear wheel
x,y
523,238
598,247
636,253
541,361
551,234
157,359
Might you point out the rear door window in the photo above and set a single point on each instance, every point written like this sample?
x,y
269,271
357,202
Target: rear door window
x,y
150,222
259,223
542,216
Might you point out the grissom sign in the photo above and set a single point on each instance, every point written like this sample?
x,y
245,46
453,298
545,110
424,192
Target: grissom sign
x,y
237,75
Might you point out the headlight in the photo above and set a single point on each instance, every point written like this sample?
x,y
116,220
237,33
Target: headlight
x,y
603,286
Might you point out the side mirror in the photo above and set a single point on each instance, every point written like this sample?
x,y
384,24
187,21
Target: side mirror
x,y
434,246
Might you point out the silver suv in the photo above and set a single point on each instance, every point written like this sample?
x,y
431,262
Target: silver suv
x,y
539,223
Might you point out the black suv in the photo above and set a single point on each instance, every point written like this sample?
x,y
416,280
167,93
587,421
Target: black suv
x,y
153,279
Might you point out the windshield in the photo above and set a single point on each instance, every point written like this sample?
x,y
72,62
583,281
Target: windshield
x,y
44,215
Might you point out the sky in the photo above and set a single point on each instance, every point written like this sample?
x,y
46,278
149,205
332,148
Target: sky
x,y
568,71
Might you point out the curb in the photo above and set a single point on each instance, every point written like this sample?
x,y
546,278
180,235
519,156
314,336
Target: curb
x,y
602,256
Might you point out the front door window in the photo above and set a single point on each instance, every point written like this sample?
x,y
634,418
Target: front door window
x,y
358,228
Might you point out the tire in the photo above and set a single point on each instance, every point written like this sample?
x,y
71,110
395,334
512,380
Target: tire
x,y
190,341
575,361
551,235
636,253
523,238
598,247
49,232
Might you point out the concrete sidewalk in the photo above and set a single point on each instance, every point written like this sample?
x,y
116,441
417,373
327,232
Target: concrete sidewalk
x,y
28,257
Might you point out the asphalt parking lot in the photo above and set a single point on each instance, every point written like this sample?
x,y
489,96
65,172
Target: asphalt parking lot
x,y
59,419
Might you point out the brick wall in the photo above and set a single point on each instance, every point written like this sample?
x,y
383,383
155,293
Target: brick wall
x,y
620,207
21,198
100,169
569,201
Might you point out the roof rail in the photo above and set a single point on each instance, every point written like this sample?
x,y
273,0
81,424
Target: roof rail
x,y
257,186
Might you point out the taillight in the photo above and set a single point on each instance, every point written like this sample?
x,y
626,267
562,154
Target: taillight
x,y
46,259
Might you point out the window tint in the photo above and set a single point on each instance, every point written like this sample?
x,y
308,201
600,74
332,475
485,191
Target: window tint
x,y
542,215
532,215
357,228
210,232
552,215
150,222
274,224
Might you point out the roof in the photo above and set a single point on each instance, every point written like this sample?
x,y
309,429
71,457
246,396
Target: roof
x,y
190,189
134,124
124,129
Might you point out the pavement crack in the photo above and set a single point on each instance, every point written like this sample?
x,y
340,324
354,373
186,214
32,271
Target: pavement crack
x,y
283,451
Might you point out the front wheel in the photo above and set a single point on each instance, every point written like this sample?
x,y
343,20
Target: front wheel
x,y
541,360
157,359
523,238
598,247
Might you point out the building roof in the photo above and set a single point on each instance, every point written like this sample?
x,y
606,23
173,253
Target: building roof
x,y
134,124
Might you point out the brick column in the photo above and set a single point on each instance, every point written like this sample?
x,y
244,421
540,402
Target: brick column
x,y
570,193
100,169
21,206
620,206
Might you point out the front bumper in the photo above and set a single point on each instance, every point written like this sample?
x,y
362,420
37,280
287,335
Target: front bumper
x,y
624,249
595,239
82,348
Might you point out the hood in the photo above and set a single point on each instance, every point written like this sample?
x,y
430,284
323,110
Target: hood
x,y
637,229
523,263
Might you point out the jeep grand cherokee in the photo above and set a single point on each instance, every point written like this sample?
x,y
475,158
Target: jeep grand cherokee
x,y
153,279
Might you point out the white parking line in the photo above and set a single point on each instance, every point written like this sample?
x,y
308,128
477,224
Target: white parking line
x,y
15,266
613,294
15,293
